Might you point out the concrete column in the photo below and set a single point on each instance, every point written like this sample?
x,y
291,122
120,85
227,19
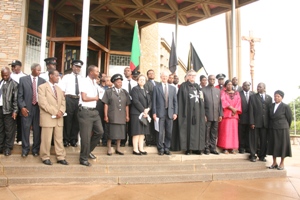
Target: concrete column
x,y
84,35
233,39
44,34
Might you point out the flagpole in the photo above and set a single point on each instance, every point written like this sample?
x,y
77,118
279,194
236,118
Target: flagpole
x,y
176,34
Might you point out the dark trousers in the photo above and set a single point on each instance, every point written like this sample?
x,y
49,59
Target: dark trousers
x,y
258,136
91,131
244,137
211,135
165,133
100,108
71,125
151,138
7,130
33,120
19,128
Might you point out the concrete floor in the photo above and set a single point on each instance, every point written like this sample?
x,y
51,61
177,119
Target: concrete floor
x,y
279,188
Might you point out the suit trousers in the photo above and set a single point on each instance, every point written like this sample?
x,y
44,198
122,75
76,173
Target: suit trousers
x,y
211,135
71,126
244,137
128,132
7,130
19,128
33,119
91,131
46,137
258,140
165,133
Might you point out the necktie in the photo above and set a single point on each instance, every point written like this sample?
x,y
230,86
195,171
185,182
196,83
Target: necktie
x,y
76,86
34,91
153,82
262,98
129,87
54,90
166,96
247,97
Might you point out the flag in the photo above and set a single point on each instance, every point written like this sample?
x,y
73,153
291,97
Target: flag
x,y
194,61
173,57
135,49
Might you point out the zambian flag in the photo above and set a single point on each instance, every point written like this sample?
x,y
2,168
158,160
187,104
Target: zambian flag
x,y
135,49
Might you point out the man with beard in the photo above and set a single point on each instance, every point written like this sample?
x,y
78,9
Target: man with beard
x,y
191,116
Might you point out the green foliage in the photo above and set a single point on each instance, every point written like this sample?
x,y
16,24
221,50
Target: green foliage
x,y
297,115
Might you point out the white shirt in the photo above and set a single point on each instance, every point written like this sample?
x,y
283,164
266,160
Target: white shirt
x,y
51,87
276,106
45,75
36,86
67,84
91,88
1,98
125,84
16,77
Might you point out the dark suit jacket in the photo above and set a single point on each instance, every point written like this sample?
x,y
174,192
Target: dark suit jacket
x,y
282,118
158,101
139,101
212,103
25,91
244,117
259,111
239,88
149,86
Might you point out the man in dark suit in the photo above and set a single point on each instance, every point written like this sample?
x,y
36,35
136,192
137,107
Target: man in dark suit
x,y
150,138
244,118
259,104
235,85
164,107
30,112
213,114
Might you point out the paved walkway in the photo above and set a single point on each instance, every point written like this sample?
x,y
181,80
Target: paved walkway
x,y
280,188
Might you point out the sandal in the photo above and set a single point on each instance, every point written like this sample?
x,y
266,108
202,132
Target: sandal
x,y
273,166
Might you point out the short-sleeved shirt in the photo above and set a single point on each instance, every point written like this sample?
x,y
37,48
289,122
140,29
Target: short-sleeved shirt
x,y
89,87
116,105
67,84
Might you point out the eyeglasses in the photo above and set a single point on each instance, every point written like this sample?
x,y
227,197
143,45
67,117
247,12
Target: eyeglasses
x,y
192,75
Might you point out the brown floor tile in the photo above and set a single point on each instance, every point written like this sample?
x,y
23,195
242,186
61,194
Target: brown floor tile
x,y
6,194
296,183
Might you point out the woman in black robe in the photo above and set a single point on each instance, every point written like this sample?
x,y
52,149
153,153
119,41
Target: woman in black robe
x,y
191,116
279,144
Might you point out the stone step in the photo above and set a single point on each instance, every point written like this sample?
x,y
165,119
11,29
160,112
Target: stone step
x,y
50,178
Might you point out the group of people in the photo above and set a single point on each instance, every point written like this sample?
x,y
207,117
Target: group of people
x,y
135,108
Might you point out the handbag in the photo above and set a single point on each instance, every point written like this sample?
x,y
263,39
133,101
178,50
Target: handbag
x,y
143,120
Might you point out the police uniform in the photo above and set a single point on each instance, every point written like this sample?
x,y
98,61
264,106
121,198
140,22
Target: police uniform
x,y
52,61
70,86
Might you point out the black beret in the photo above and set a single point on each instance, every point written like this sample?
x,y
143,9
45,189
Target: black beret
x,y
15,62
116,77
221,76
51,60
77,63
279,92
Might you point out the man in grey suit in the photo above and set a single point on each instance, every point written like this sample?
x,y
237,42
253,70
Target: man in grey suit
x,y
259,105
30,112
244,125
164,107
213,114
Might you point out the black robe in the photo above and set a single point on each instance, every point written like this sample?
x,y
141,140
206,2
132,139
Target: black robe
x,y
191,117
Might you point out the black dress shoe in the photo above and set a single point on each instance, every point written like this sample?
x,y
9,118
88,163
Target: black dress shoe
x,y
63,162
143,152
262,159
161,153
136,153
66,144
206,152
92,156
24,155
109,154
1,151
74,144
168,153
215,152
47,162
119,152
7,152
35,154
85,163
197,152
188,152
252,159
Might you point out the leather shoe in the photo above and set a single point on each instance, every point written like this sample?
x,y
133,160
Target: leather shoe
x,y
66,144
63,162
143,152
73,144
85,163
198,152
252,159
206,152
92,156
161,153
47,162
136,153
280,168
188,153
109,154
262,159
7,152
35,154
214,152
168,153
119,152
273,167
24,155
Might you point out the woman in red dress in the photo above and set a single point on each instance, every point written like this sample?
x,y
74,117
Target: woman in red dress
x,y
228,138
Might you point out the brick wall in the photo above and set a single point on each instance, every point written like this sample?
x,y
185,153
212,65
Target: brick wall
x,y
10,28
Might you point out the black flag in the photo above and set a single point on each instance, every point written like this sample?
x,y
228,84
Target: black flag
x,y
173,57
194,61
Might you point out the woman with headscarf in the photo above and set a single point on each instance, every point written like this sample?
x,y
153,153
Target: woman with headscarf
x,y
116,112
228,138
279,144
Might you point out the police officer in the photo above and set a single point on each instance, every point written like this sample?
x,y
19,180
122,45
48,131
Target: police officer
x,y
50,64
70,86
